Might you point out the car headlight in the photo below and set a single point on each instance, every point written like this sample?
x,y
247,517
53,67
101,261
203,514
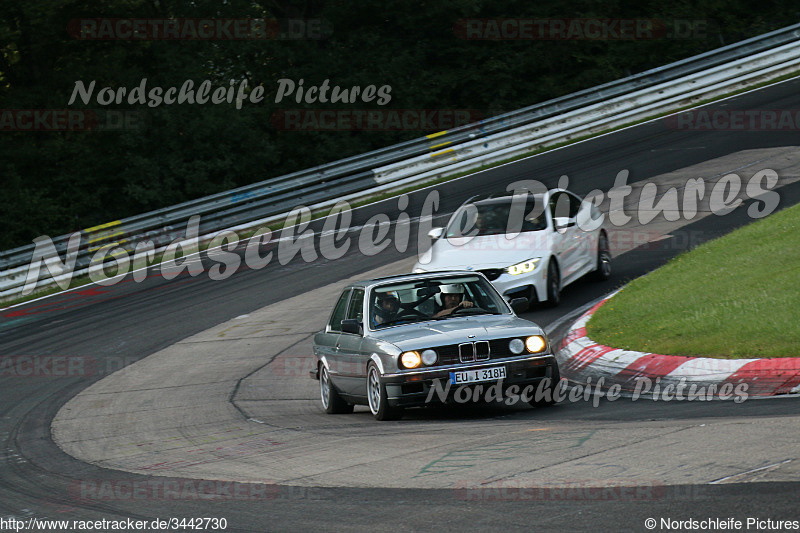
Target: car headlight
x,y
535,344
419,270
516,346
429,357
410,359
524,267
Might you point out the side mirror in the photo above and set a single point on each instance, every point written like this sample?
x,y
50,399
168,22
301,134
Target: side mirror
x,y
561,223
351,325
519,305
435,233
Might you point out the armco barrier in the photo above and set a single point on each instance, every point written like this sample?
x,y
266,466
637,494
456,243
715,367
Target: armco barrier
x,y
419,160
598,117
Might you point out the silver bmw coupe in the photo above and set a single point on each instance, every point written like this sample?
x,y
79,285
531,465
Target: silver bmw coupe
x,y
419,339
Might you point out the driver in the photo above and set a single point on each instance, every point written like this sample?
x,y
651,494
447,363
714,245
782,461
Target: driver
x,y
387,308
451,298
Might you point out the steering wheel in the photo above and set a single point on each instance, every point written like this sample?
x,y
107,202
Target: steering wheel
x,y
409,313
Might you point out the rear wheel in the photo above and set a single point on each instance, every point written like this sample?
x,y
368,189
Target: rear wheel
x,y
331,401
376,394
603,271
553,284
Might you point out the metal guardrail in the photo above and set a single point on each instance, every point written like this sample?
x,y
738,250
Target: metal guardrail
x,y
604,115
396,163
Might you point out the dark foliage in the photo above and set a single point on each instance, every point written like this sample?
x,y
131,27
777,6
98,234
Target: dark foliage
x,y
58,182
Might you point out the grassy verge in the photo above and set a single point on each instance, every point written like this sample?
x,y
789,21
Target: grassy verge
x,y
79,281
734,297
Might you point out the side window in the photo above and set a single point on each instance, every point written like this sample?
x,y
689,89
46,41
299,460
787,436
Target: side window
x,y
559,205
482,299
338,311
574,205
564,205
356,309
535,220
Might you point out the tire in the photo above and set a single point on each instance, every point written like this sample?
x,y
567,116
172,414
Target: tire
x,y
331,401
377,398
549,399
603,270
553,285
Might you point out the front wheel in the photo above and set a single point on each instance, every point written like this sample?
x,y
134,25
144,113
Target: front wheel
x,y
553,285
376,394
603,271
331,401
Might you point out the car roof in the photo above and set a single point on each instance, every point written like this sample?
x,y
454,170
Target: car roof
x,y
498,197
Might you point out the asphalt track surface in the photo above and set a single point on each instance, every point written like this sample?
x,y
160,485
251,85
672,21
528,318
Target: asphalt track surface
x,y
128,321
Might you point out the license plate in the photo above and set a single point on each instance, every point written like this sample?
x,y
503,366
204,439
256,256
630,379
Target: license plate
x,y
482,374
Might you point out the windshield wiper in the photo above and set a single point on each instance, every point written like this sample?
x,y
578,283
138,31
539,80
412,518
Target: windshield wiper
x,y
406,319
468,312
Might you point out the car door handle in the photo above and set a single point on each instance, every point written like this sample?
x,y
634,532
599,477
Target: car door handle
x,y
337,348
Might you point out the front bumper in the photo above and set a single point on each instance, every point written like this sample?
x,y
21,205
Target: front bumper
x,y
532,285
432,385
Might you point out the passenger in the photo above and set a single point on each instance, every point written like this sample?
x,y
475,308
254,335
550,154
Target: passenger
x,y
451,300
387,308
490,222
484,224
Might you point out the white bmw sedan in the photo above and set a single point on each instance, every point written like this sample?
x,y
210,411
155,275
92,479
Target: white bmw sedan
x,y
528,246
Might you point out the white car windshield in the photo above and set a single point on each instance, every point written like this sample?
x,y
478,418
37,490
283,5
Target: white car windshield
x,y
433,299
497,216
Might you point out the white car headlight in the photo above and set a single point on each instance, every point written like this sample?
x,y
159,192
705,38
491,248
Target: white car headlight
x,y
524,267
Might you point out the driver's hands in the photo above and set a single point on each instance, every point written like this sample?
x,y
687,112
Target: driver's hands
x,y
464,304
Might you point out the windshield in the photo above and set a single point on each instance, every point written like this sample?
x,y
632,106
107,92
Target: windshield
x,y
433,299
497,216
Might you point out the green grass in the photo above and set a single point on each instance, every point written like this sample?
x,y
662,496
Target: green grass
x,y
734,297
79,281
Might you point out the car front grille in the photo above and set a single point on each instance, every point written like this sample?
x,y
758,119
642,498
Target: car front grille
x,y
492,273
473,351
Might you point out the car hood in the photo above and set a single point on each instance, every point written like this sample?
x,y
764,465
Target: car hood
x,y
456,330
489,251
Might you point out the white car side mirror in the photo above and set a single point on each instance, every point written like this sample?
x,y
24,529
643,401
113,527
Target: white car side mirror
x,y
561,223
435,233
